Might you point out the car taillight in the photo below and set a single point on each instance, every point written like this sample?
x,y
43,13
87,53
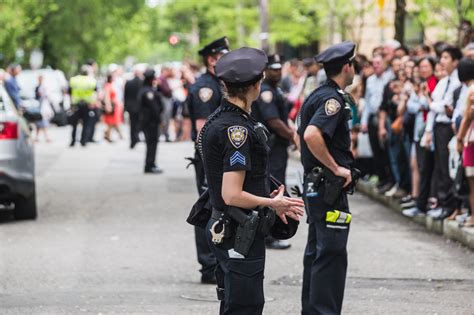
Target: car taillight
x,y
8,130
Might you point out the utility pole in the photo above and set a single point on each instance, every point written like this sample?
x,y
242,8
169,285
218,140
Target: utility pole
x,y
264,25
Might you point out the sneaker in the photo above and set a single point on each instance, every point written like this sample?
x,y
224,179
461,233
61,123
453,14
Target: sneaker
x,y
409,204
413,212
406,199
400,193
384,188
462,217
433,213
391,191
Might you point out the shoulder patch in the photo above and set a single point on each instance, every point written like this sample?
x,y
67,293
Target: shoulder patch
x,y
205,94
267,96
237,135
149,95
332,106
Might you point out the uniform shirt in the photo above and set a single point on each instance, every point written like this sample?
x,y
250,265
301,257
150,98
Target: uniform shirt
x,y
270,105
326,109
441,96
203,99
149,104
229,142
131,90
374,90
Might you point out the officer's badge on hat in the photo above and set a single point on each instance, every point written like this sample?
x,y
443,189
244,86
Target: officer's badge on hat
x,y
332,106
205,94
267,96
237,136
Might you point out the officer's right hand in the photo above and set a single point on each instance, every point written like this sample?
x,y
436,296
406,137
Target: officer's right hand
x,y
283,206
344,172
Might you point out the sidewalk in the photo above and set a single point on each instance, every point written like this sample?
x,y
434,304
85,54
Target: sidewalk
x,y
449,229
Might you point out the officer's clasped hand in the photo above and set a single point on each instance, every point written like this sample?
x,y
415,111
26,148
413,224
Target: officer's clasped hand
x,y
286,206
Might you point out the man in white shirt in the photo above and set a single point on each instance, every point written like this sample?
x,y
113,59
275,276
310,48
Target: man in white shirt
x,y
439,129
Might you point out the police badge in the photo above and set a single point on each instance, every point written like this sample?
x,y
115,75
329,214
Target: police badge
x,y
205,94
237,135
331,107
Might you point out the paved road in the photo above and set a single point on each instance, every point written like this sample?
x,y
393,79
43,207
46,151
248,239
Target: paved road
x,y
111,240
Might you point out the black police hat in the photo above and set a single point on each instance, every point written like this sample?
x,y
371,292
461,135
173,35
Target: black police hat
x,y
219,45
274,61
337,54
241,66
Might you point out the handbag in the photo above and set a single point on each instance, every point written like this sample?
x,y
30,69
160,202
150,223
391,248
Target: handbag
x,y
397,125
33,114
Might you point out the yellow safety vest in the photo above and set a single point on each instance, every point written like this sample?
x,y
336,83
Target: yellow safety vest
x,y
82,89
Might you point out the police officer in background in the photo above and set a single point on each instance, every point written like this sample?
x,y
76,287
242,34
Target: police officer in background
x,y
203,99
150,109
270,109
325,153
131,90
83,91
235,156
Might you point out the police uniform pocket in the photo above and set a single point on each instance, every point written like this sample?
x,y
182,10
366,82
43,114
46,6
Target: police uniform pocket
x,y
246,281
334,237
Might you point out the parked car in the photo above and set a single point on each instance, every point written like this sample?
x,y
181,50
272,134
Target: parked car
x,y
56,86
17,163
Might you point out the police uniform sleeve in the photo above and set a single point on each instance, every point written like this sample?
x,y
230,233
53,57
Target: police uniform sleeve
x,y
327,116
236,148
267,106
202,98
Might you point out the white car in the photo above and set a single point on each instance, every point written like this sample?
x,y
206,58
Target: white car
x,y
17,163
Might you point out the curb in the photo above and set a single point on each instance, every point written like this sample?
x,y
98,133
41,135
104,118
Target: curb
x,y
449,229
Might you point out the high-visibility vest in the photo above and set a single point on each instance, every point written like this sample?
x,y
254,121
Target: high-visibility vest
x,y
82,89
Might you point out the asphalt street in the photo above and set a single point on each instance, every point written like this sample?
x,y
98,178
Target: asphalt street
x,y
112,240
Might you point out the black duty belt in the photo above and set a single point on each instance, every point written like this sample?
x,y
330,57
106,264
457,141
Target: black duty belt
x,y
216,214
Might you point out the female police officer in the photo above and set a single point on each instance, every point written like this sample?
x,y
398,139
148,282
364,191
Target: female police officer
x,y
235,155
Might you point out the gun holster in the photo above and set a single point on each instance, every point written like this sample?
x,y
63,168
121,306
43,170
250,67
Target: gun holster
x,y
333,186
246,230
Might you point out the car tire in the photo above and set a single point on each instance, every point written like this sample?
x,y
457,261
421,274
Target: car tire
x,y
25,208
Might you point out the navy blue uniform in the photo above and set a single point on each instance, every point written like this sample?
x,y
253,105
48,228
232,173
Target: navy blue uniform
x,y
229,143
150,108
271,105
325,259
203,99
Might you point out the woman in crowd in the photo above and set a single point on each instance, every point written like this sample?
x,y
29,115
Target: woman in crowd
x,y
113,111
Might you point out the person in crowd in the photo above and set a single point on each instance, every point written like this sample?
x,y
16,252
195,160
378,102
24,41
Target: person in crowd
x,y
94,110
369,122
132,87
11,85
113,111
465,136
166,100
45,109
439,130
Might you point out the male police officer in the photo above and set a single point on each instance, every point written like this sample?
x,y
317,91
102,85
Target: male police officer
x,y
150,116
204,98
83,90
327,160
270,109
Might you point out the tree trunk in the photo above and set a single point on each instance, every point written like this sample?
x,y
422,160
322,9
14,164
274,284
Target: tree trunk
x,y
400,13
264,25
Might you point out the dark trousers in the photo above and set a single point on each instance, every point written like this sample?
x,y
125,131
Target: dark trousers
x,y
205,256
425,160
93,117
325,257
240,279
80,115
381,158
134,128
278,161
443,133
151,131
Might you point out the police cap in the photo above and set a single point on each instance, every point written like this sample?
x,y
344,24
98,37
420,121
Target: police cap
x,y
219,45
274,62
242,66
338,54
